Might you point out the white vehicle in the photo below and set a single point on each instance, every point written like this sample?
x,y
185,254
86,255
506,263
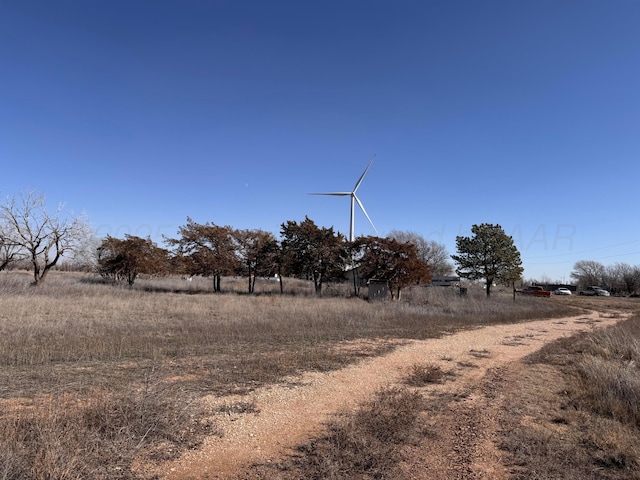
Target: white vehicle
x,y
595,292
562,291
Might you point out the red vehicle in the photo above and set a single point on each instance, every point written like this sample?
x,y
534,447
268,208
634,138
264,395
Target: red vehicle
x,y
536,291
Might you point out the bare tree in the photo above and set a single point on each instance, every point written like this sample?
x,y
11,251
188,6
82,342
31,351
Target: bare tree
x,y
431,252
9,251
631,278
588,272
37,236
621,278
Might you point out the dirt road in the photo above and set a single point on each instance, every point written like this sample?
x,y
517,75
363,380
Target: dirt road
x,y
289,414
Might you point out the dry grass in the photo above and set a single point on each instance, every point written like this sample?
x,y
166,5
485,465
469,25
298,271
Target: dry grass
x,y
114,374
99,436
576,424
590,426
425,374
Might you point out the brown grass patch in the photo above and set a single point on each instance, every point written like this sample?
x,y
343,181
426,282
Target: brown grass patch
x,y
425,374
105,378
585,423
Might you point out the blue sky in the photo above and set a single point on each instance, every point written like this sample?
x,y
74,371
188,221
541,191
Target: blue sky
x,y
525,114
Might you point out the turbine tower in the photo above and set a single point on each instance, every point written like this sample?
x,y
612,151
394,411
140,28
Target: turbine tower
x,y
354,200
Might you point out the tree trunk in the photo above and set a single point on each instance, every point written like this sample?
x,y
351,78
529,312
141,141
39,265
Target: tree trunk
x,y
356,282
317,283
6,261
488,288
36,271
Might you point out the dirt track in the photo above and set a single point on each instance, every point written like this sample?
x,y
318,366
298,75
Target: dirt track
x,y
289,414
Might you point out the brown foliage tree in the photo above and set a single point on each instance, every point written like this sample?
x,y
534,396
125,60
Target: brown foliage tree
x,y
120,260
258,252
208,250
387,259
431,252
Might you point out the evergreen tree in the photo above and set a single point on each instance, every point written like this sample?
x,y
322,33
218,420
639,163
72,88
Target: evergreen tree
x,y
489,254
311,252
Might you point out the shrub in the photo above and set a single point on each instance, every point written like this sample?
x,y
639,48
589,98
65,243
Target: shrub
x,y
422,375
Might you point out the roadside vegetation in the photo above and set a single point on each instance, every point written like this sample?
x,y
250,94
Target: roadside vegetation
x,y
101,382
591,426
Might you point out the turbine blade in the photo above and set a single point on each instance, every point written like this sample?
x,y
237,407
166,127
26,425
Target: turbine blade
x,y
338,194
363,174
365,213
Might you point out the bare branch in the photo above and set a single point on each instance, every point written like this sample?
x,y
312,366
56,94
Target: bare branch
x,y
29,232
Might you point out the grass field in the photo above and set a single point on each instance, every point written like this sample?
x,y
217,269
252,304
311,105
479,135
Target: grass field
x,y
571,412
596,403
96,378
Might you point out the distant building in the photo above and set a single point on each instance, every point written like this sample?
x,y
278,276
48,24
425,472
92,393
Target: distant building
x,y
554,286
446,282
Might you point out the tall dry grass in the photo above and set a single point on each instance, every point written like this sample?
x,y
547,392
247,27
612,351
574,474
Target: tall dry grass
x,y
599,407
88,367
610,372
607,363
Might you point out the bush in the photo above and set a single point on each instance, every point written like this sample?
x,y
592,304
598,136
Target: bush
x,y
422,375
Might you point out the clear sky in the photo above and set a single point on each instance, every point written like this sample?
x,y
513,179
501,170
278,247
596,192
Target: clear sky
x,y
521,113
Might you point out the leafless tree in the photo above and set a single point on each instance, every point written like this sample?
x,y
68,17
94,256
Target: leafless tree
x,y
36,236
431,252
8,250
588,272
622,278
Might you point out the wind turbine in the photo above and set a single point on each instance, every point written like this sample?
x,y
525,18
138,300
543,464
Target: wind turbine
x,y
354,199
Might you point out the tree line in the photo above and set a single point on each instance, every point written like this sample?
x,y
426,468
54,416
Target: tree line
x,y
619,278
28,233
305,250
318,254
